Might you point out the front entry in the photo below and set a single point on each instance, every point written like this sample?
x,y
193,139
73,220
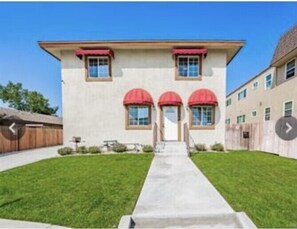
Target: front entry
x,y
170,122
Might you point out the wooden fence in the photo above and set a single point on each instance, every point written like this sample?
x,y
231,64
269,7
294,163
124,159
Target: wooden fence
x,y
262,137
29,138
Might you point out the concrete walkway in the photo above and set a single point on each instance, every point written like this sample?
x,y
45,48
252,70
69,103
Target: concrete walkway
x,y
177,194
16,159
6,223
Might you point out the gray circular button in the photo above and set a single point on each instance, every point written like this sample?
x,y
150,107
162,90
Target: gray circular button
x,y
286,128
13,131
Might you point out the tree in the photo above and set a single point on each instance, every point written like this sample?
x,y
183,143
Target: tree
x,y
25,100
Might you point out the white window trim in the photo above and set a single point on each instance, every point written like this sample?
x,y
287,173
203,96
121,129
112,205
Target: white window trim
x,y
267,88
285,73
98,57
183,56
265,114
284,106
254,88
252,113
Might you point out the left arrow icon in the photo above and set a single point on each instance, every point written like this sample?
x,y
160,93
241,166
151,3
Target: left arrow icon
x,y
11,128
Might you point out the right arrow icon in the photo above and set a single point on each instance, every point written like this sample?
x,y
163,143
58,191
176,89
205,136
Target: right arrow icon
x,y
289,128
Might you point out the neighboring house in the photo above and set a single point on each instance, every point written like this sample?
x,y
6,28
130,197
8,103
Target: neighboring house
x,y
131,91
24,118
272,93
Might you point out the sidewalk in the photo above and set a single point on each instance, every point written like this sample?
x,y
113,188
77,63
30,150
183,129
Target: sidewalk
x,y
5,223
16,159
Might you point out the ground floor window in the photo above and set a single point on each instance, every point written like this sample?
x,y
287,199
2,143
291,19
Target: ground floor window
x,y
138,116
202,116
267,113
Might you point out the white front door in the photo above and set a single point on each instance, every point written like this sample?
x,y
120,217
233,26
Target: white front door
x,y
170,123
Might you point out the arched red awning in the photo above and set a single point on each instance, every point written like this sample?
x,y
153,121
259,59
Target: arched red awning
x,y
202,97
169,98
138,96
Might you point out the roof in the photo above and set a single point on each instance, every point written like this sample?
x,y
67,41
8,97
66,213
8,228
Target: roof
x,y
286,44
12,114
54,47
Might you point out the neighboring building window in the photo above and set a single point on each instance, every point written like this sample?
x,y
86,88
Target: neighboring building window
x,y
228,102
188,66
255,85
267,114
227,121
98,67
288,109
139,116
240,119
268,81
242,94
254,113
290,69
202,116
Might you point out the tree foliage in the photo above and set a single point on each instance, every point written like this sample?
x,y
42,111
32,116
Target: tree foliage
x,y
25,100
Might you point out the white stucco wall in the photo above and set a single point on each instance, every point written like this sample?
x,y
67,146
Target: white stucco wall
x,y
95,111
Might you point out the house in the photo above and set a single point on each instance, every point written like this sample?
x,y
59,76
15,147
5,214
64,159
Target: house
x,y
144,91
272,93
29,119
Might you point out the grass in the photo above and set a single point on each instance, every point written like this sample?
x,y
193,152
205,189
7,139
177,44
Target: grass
x,y
260,184
89,191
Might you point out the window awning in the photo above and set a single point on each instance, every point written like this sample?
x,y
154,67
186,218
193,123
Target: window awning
x,y
169,98
138,96
189,51
202,97
93,52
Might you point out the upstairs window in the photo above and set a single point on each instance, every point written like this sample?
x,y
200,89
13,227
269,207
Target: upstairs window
x,y
188,67
268,81
255,85
290,69
240,119
242,94
288,109
98,67
254,113
228,102
227,121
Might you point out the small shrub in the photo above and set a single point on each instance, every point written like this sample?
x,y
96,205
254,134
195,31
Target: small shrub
x,y
217,147
119,148
148,149
82,149
94,150
200,147
65,151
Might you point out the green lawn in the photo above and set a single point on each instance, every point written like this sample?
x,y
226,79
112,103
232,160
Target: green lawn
x,y
82,191
260,184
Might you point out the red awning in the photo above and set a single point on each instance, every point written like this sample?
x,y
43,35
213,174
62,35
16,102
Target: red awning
x,y
189,51
202,97
170,98
93,52
138,96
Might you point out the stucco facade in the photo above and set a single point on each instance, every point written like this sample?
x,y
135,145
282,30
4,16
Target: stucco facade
x,y
94,110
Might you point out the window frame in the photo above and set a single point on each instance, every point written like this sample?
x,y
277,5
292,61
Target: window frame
x,y
238,95
201,127
265,87
198,77
97,79
265,114
254,116
286,69
228,102
243,116
284,107
138,127
253,85
227,121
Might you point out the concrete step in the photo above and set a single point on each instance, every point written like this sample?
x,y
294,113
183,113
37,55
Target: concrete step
x,y
224,220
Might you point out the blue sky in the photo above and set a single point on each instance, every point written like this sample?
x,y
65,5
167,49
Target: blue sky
x,y
23,24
